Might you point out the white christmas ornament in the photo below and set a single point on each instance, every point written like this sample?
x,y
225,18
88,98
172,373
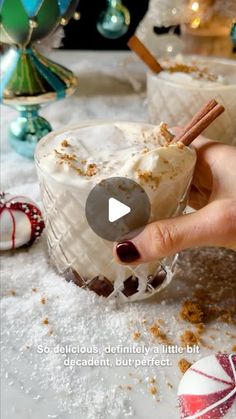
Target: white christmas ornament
x,y
208,388
21,221
162,13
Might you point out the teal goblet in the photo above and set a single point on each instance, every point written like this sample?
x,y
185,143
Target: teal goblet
x,y
28,79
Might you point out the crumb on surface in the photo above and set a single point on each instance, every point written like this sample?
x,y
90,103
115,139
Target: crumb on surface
x,y
136,335
192,312
184,365
226,316
231,335
200,327
158,333
13,293
45,321
34,289
189,338
43,300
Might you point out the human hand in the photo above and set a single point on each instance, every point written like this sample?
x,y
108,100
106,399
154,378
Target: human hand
x,y
212,194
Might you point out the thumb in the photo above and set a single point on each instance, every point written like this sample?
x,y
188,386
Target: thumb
x,y
213,225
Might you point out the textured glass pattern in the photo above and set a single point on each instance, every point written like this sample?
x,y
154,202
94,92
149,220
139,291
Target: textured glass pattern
x,y
176,104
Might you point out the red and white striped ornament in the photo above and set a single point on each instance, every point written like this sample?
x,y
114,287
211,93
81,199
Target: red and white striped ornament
x,y
21,221
208,389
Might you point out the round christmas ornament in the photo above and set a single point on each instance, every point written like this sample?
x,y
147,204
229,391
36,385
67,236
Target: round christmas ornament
x,y
28,79
21,221
114,21
208,388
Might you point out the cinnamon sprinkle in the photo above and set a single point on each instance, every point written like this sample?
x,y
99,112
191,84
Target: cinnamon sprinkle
x,y
148,176
69,159
65,157
160,135
165,132
197,72
65,143
91,169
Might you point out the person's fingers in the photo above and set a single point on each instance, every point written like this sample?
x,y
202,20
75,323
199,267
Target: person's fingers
x,y
213,225
198,197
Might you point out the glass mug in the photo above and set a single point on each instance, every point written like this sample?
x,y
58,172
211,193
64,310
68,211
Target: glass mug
x,y
176,101
85,258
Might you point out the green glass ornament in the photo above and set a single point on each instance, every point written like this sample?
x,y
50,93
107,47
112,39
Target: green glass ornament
x,y
28,79
233,36
114,21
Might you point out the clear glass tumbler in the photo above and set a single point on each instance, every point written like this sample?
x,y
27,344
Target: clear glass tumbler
x,y
176,102
85,258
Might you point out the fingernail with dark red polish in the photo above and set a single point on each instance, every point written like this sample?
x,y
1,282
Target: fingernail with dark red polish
x,y
127,252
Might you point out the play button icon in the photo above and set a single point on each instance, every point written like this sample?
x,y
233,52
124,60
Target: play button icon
x,y
116,207
116,210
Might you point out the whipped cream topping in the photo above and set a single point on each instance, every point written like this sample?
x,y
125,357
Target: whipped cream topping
x,y
100,151
190,72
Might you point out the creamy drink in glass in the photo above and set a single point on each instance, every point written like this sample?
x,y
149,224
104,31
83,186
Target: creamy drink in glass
x,y
177,92
72,162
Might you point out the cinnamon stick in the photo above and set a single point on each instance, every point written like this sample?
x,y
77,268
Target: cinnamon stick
x,y
139,48
200,122
197,117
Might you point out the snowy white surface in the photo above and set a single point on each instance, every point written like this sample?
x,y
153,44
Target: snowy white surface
x,y
39,386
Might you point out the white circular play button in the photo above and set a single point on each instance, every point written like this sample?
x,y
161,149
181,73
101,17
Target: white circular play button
x,y
116,210
117,206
